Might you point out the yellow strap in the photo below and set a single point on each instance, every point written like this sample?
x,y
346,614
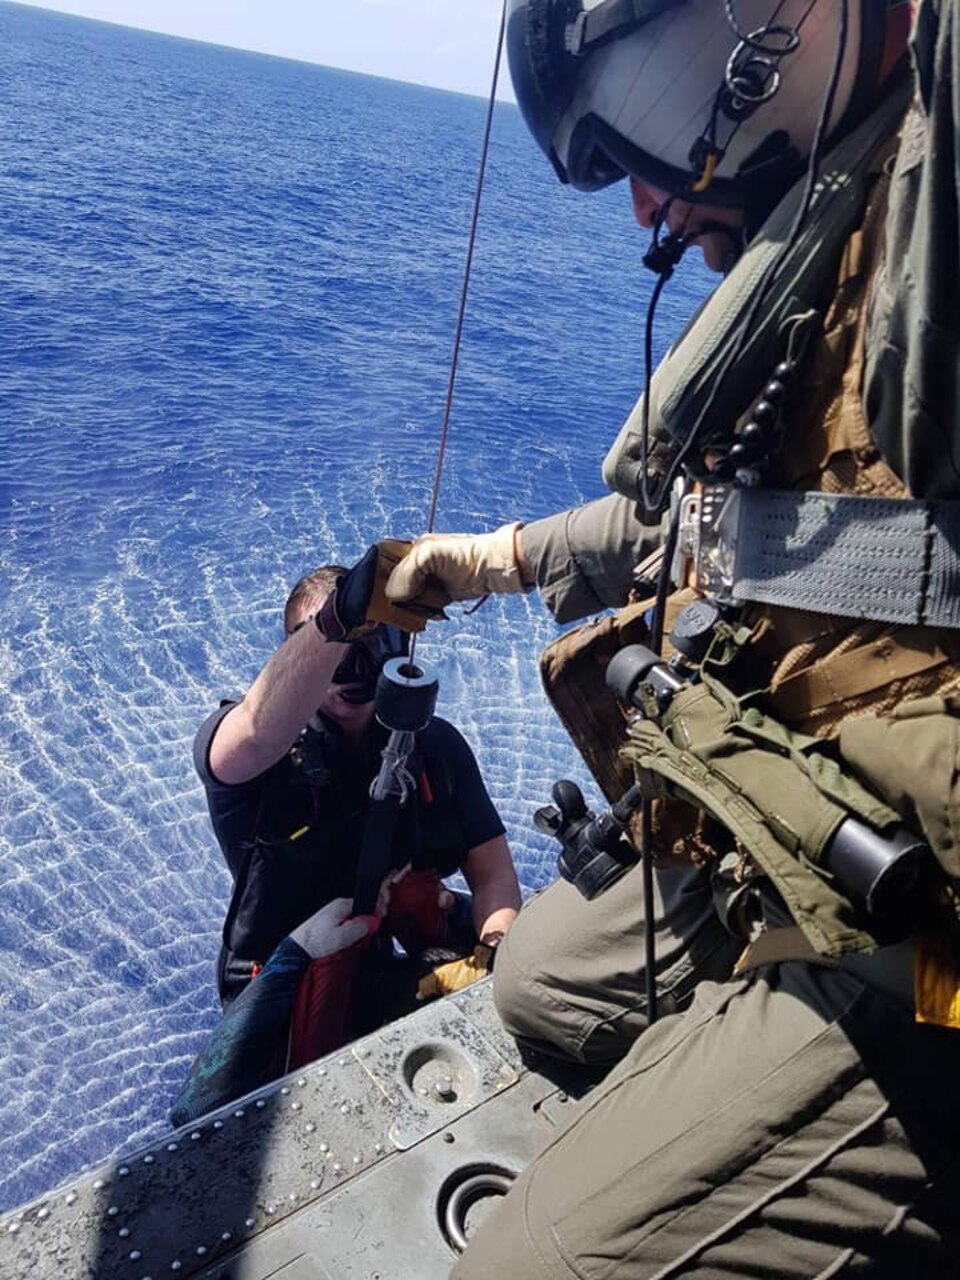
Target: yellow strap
x,y
936,980
709,168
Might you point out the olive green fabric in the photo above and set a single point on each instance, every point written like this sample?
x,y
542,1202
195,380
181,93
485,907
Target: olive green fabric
x,y
569,978
775,790
796,1123
768,1132
912,383
912,759
583,559
696,371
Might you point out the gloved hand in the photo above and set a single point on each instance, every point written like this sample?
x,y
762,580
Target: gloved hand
x,y
467,565
330,929
359,601
343,614
456,975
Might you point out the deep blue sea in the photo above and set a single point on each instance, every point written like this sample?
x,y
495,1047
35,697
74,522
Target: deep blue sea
x,y
228,287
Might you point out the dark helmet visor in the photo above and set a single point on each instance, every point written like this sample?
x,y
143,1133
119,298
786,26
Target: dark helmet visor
x,y
590,165
598,155
548,43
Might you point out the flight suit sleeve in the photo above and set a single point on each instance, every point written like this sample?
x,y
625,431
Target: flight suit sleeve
x,y
912,378
583,559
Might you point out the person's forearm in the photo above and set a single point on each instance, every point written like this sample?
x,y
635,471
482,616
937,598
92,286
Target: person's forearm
x,y
492,925
581,561
488,870
257,732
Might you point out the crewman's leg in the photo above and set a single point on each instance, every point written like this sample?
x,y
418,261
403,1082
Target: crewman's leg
x,y
569,977
794,1125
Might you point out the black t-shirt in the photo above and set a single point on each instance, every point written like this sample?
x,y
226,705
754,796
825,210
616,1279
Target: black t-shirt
x,y
291,835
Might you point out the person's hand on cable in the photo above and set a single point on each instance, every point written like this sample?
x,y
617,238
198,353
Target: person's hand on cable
x,y
345,613
467,566
360,601
331,929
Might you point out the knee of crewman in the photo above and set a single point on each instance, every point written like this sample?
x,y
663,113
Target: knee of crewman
x,y
522,988
513,981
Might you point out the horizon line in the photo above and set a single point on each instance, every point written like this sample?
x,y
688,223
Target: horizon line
x,y
267,53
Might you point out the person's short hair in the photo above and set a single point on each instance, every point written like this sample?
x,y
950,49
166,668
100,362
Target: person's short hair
x,y
309,594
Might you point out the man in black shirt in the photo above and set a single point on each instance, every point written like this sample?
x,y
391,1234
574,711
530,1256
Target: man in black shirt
x,y
287,772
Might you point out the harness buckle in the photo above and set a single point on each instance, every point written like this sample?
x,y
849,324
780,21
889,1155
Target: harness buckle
x,y
707,539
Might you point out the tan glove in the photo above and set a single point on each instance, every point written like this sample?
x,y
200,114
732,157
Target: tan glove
x,y
467,565
456,975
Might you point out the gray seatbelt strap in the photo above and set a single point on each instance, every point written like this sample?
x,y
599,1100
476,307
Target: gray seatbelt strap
x,y
884,559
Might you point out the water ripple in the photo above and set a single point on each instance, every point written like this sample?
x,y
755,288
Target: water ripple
x,y
229,292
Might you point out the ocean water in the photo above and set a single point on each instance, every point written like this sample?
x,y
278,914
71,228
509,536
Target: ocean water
x,y
229,287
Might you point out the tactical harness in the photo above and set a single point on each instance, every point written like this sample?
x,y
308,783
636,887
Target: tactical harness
x,y
850,599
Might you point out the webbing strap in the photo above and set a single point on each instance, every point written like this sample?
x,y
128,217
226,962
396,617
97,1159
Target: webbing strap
x,y
839,676
883,559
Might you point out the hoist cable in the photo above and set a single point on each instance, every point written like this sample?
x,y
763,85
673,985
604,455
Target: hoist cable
x,y
464,288
441,451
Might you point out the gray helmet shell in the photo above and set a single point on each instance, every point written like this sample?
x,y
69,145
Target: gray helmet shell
x,y
616,87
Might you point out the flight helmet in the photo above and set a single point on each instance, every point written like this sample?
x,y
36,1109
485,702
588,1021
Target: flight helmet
x,y
717,100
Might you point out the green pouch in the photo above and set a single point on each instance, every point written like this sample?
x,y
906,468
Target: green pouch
x,y
912,759
775,790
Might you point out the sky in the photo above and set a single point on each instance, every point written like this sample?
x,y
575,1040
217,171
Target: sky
x,y
449,44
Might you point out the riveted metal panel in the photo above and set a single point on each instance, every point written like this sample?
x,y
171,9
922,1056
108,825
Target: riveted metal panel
x,y
244,1192
387,1223
431,1079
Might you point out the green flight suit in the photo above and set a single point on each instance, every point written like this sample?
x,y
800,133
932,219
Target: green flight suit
x,y
795,1121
